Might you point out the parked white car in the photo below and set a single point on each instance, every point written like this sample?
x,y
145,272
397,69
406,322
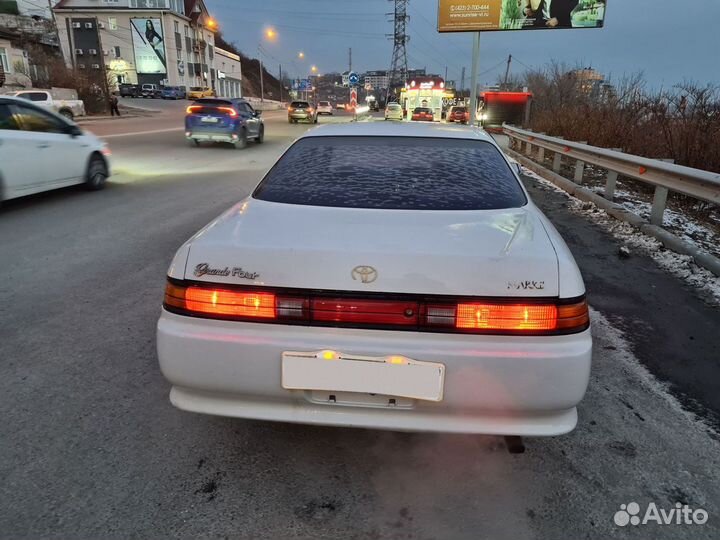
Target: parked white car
x,y
324,107
411,291
41,150
69,108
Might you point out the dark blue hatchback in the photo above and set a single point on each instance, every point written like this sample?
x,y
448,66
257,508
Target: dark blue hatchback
x,y
231,121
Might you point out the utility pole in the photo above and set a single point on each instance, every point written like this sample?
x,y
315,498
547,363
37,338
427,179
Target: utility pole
x,y
473,79
462,82
350,59
446,75
281,83
262,92
507,72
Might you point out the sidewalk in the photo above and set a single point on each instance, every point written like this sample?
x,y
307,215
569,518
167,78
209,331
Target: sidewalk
x,y
125,112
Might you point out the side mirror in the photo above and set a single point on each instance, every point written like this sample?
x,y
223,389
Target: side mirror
x,y
73,130
258,114
518,168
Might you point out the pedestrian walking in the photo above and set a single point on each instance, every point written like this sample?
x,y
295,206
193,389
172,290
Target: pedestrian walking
x,y
114,105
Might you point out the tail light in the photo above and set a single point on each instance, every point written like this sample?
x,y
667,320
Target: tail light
x,y
232,113
193,109
290,109
225,303
405,312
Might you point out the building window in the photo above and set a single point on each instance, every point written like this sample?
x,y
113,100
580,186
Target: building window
x,y
117,52
177,26
4,60
187,31
112,23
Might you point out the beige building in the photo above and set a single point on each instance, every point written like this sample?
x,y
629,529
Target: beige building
x,y
163,42
229,73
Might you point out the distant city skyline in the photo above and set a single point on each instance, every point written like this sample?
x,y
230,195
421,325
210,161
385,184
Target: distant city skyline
x,y
667,43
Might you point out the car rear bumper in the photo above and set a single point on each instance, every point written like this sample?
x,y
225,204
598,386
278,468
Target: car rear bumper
x,y
300,116
493,384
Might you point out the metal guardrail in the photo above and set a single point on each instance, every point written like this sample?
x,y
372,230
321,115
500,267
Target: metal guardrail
x,y
664,176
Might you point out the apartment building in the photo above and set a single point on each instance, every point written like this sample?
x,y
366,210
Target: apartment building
x,y
164,42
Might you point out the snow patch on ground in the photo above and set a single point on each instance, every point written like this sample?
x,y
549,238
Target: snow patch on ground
x,y
627,362
680,266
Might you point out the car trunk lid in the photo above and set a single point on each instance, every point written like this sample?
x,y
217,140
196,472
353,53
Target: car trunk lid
x,y
462,253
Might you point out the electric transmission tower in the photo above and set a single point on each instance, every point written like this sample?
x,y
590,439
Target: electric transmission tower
x,y
398,67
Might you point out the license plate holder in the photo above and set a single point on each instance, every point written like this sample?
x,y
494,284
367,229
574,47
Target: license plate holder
x,y
209,119
393,375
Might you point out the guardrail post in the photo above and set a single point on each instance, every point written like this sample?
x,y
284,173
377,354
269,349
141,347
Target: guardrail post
x,y
658,206
579,168
557,162
579,171
657,212
610,183
541,154
528,148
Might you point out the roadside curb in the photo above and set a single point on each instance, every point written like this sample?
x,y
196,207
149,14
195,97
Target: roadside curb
x,y
669,240
90,119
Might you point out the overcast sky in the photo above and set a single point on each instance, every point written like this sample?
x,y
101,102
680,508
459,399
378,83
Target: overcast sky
x,y
669,40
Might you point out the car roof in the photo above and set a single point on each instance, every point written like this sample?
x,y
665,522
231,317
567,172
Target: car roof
x,y
399,129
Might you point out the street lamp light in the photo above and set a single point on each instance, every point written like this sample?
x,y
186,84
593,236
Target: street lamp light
x,y
271,35
212,24
313,69
301,55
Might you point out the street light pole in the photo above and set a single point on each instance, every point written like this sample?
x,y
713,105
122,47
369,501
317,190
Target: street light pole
x,y
262,92
473,79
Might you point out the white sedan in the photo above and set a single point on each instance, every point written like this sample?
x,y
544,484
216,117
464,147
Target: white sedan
x,y
324,107
419,290
40,150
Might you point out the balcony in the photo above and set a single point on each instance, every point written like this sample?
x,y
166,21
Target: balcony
x,y
170,5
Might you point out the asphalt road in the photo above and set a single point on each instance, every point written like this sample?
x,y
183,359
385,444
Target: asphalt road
x,y
90,446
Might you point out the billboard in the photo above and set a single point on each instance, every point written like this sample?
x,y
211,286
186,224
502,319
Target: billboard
x,y
148,45
492,15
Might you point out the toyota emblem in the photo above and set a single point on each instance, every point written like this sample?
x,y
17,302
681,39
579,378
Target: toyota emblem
x,y
366,274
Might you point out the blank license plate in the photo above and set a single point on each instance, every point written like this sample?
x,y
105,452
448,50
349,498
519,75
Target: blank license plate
x,y
210,119
388,375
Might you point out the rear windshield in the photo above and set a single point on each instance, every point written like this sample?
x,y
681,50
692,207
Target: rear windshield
x,y
405,173
422,110
393,106
324,103
196,88
459,109
299,104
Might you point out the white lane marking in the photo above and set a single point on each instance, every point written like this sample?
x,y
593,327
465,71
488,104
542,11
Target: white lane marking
x,y
140,133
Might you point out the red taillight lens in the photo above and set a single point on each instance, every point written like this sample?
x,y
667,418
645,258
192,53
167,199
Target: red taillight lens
x,y
220,302
193,109
229,111
371,312
290,109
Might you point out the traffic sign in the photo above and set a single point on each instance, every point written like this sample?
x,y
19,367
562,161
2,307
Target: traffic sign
x,y
353,78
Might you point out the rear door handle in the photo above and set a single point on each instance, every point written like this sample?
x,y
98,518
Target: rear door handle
x,y
43,145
